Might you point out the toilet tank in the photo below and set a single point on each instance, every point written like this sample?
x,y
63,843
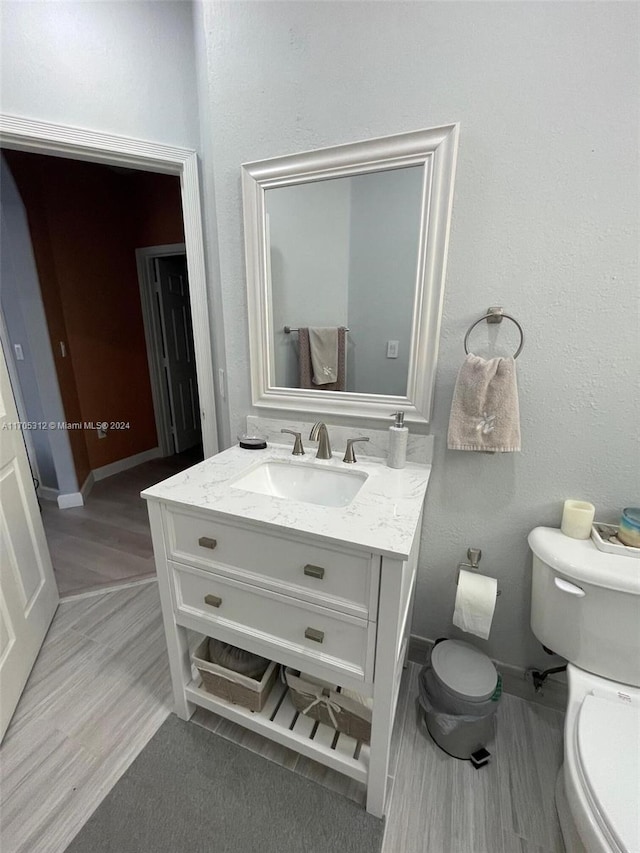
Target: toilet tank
x,y
585,604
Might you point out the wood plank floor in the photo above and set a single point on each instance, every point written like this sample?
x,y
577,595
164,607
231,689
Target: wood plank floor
x,y
108,541
100,689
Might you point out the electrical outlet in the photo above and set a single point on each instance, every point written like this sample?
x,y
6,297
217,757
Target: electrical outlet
x,y
392,349
102,433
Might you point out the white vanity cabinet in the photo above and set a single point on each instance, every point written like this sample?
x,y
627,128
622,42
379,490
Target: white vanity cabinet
x,y
336,610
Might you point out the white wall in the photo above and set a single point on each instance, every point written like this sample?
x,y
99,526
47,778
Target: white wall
x,y
309,239
26,326
125,68
545,223
385,228
205,82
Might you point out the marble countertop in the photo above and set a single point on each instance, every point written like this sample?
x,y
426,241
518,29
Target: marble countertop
x,y
382,517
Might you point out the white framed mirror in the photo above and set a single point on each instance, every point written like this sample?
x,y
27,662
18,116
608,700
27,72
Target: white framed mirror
x,y
352,237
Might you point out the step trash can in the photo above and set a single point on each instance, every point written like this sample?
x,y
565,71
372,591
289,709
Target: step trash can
x,y
459,693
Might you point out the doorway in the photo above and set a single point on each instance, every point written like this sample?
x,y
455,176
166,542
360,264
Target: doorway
x,y
118,532
70,229
25,134
166,311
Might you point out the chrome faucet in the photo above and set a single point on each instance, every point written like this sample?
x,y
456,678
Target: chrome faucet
x,y
319,433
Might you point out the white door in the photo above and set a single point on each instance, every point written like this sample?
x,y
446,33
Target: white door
x,y
179,358
28,591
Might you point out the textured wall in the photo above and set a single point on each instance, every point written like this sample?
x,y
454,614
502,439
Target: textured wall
x,y
545,223
125,68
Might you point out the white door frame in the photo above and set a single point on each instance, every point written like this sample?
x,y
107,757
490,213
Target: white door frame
x,y
75,143
146,280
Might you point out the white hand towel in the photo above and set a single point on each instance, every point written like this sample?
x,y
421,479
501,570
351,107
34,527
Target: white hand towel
x,y
485,414
323,342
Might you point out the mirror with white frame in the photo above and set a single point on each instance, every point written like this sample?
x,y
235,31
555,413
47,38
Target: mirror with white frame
x,y
351,237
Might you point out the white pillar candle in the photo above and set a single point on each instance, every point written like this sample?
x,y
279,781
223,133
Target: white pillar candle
x,y
577,518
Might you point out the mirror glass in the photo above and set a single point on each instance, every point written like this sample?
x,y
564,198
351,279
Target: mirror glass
x,y
344,252
351,237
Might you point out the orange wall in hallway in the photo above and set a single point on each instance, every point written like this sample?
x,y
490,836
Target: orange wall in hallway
x,y
86,221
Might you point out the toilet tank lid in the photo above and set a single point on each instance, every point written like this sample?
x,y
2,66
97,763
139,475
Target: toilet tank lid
x,y
581,560
609,754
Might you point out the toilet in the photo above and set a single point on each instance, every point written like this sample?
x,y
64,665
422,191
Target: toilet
x,y
585,607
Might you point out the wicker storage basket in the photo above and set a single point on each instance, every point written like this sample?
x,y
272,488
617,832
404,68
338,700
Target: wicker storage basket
x,y
230,685
329,707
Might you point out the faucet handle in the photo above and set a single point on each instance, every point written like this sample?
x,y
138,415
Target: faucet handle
x,y
298,449
349,455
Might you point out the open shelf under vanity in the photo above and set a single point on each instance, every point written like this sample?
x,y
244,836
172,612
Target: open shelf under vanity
x,y
281,722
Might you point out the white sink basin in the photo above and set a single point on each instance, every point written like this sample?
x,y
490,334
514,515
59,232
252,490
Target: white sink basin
x,y
306,483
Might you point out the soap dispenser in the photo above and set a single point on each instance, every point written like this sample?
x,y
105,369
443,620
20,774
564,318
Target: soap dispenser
x,y
398,434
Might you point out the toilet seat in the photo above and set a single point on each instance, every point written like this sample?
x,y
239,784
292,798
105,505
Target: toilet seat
x,y
607,756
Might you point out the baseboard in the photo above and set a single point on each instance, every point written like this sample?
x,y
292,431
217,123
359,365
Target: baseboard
x,y
553,694
70,499
46,493
514,680
124,464
419,649
87,486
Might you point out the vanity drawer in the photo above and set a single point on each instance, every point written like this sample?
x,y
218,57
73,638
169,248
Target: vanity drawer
x,y
333,578
289,631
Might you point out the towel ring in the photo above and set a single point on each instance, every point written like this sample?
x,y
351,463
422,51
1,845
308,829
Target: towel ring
x,y
495,315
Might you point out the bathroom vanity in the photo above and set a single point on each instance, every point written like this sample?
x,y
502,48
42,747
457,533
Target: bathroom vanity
x,y
309,563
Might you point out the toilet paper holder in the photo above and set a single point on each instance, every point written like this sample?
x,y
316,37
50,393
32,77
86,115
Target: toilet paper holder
x,y
474,555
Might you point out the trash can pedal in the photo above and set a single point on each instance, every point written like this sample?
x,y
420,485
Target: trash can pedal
x,y
480,757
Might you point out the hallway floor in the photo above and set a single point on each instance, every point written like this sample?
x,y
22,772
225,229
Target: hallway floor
x,y
108,541
100,690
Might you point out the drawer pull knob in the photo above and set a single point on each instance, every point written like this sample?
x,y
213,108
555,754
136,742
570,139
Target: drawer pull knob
x,y
314,571
206,542
213,600
314,634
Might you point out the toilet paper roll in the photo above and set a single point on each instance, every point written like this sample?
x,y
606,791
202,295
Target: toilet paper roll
x,y
475,603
